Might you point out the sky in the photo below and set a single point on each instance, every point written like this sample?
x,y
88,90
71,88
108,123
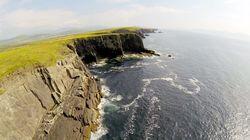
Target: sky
x,y
19,17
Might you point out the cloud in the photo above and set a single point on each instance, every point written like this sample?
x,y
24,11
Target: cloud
x,y
232,16
239,5
2,2
236,1
115,1
135,15
26,1
30,21
27,18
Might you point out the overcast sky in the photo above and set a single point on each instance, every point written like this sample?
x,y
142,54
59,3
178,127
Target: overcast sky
x,y
34,16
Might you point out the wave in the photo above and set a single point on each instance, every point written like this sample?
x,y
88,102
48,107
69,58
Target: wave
x,y
129,127
117,98
126,107
152,117
172,80
101,63
102,130
139,64
195,83
106,91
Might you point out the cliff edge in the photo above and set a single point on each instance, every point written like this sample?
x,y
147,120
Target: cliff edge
x,y
61,101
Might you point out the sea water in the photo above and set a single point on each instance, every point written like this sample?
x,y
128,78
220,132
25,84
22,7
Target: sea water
x,y
201,92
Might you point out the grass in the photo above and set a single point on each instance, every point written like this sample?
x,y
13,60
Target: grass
x,y
2,91
45,52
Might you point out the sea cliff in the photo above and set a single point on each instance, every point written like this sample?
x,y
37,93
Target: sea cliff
x,y
61,101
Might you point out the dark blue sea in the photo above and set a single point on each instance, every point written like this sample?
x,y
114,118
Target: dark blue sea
x,y
201,92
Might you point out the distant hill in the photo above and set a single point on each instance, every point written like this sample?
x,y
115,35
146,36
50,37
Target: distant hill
x,y
22,39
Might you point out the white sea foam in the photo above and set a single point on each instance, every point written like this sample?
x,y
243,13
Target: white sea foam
x,y
141,63
163,66
172,80
102,130
117,98
129,126
195,82
147,82
158,60
126,107
152,117
106,91
101,63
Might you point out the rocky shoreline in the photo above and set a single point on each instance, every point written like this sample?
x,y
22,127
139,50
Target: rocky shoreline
x,y
61,101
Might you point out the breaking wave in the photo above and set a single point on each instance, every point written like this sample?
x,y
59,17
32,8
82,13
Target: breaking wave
x,y
102,130
172,81
129,127
152,117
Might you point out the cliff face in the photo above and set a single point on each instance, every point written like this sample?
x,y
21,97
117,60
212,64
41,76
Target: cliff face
x,y
58,102
108,46
61,102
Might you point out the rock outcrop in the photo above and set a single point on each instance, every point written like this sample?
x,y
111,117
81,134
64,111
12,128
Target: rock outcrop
x,y
108,46
61,101
58,102
142,32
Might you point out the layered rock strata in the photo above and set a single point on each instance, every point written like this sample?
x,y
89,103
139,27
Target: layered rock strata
x,y
58,102
61,101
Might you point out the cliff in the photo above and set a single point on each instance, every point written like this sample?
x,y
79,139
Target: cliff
x,y
58,102
108,46
61,101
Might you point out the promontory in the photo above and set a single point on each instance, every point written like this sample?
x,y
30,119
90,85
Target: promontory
x,y
46,89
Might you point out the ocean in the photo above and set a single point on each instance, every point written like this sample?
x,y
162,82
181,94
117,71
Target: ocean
x,y
201,92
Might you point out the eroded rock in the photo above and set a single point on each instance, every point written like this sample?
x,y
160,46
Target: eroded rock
x,y
50,103
109,46
61,102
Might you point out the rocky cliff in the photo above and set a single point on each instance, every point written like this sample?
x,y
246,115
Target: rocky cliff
x,y
58,102
61,101
108,46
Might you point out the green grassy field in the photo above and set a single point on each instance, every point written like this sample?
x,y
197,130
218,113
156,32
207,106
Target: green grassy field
x,y
44,52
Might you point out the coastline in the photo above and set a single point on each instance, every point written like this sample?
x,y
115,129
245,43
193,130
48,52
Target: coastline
x,y
101,130
73,95
105,101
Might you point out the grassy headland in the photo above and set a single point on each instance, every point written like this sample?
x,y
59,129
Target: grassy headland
x,y
44,52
